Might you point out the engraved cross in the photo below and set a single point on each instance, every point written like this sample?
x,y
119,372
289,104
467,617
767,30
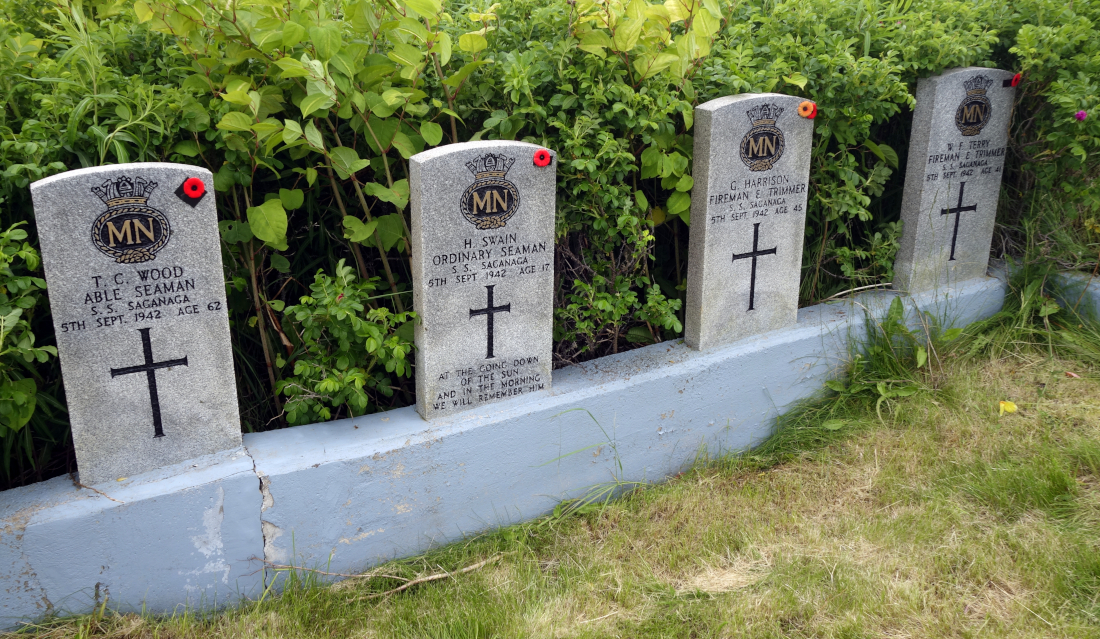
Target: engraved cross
x,y
957,212
150,369
753,254
488,312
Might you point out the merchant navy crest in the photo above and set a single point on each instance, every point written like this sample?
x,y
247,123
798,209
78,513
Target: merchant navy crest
x,y
763,145
491,200
974,111
130,231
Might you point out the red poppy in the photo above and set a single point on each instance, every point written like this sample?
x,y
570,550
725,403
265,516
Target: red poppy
x,y
542,157
194,188
807,110
1016,78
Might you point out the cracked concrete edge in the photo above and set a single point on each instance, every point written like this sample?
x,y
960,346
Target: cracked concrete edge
x,y
269,531
54,534
26,596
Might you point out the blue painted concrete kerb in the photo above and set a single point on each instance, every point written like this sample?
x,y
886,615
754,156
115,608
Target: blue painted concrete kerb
x,y
347,495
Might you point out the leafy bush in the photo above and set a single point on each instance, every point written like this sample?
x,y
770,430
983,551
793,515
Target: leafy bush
x,y
307,112
19,294
340,349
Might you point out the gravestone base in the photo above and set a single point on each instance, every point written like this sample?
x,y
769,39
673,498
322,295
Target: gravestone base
x,y
347,495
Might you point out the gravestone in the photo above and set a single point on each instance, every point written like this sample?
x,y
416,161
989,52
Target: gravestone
x,y
134,269
953,177
483,272
748,216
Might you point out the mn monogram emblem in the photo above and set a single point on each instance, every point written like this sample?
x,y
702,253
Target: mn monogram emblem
x,y
763,145
973,113
130,231
491,200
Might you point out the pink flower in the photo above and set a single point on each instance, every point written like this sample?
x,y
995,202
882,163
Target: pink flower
x,y
1081,115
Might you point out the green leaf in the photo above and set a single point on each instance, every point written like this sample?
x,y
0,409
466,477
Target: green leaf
x,y
313,136
890,154
292,198
685,183
405,54
884,153
678,202
233,231
356,231
235,121
796,79
472,42
293,33
836,385
639,335
404,145
314,102
268,223
834,424
188,148
641,200
291,131
442,48
237,97
426,8
922,356
397,196
343,63
292,68
223,179
281,264
466,70
626,34
410,28
143,12
431,132
595,42
347,162
326,40
390,229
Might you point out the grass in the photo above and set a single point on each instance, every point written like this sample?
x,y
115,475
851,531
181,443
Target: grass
x,y
941,518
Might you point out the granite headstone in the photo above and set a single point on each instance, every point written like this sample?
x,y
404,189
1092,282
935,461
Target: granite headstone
x,y
134,269
953,177
748,216
483,272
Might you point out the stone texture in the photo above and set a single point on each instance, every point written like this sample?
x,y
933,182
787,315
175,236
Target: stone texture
x,y
751,178
482,238
960,133
132,280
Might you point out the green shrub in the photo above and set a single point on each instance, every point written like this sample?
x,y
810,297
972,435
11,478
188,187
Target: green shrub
x,y
307,112
342,343
19,295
